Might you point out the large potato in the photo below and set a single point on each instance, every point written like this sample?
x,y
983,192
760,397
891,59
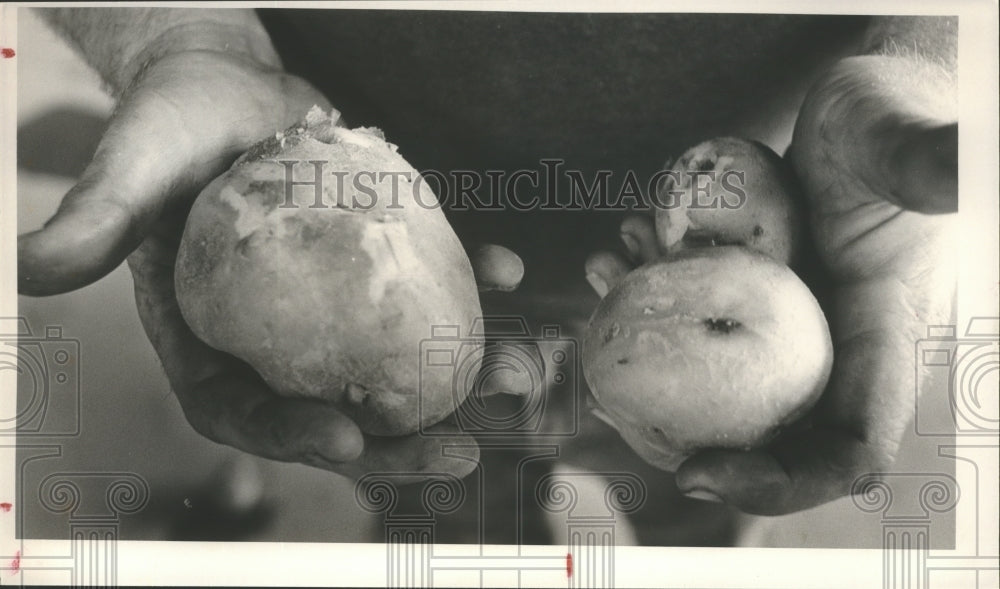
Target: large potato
x,y
715,347
331,299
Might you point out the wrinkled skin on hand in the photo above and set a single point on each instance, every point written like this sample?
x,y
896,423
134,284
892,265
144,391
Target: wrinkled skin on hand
x,y
875,147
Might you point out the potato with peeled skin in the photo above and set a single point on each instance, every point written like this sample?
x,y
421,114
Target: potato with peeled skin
x,y
718,344
331,302
731,191
716,347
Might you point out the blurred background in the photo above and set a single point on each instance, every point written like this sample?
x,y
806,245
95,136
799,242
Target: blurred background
x,y
199,490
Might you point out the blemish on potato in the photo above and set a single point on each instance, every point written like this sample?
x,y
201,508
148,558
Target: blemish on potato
x,y
355,393
722,325
243,246
612,332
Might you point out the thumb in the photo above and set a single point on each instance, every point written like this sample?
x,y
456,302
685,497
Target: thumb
x,y
106,215
168,138
890,123
144,160
923,169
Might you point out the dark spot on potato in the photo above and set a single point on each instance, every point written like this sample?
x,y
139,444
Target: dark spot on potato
x,y
656,431
271,191
722,325
705,165
311,234
758,231
623,361
243,246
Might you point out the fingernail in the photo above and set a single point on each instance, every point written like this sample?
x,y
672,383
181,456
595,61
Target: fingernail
x,y
598,284
631,243
703,495
497,288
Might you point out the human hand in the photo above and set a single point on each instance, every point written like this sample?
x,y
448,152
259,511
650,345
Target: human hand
x,y
225,400
178,125
181,124
875,147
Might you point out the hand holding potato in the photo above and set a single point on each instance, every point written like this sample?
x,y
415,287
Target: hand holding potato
x,y
875,148
178,126
227,401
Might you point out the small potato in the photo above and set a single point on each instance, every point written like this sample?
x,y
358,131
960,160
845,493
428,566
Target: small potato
x,y
730,191
328,295
715,347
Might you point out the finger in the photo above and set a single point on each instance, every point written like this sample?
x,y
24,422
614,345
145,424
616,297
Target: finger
x,y
222,397
100,219
858,422
639,235
440,450
801,472
605,270
887,122
923,169
168,138
514,368
496,268
226,401
237,409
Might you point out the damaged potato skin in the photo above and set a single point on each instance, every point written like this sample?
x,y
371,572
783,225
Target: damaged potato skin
x,y
714,347
330,302
767,216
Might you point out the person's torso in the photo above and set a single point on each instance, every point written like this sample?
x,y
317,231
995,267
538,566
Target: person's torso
x,y
486,91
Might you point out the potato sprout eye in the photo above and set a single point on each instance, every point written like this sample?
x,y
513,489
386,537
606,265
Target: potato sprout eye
x,y
722,325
